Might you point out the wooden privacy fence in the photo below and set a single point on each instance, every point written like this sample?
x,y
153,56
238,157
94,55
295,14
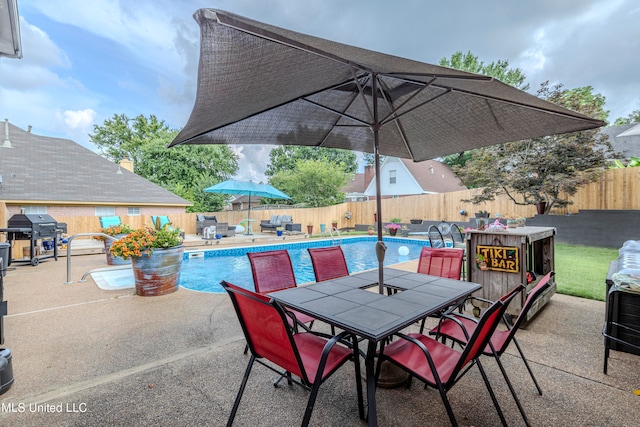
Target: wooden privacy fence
x,y
618,189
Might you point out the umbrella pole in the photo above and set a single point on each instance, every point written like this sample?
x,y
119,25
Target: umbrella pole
x,y
380,246
249,218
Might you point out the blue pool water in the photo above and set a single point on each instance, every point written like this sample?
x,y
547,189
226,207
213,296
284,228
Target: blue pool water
x,y
205,273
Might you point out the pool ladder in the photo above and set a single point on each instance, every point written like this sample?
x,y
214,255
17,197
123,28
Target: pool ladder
x,y
337,239
84,276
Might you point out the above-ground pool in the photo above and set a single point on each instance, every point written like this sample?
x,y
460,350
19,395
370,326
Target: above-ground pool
x,y
203,270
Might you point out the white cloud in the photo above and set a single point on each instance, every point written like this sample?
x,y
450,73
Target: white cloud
x,y
79,119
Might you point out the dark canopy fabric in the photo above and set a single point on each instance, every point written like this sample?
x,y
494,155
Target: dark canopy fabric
x,y
261,84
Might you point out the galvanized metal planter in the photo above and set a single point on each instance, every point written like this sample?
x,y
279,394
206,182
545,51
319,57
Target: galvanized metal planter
x,y
111,259
158,273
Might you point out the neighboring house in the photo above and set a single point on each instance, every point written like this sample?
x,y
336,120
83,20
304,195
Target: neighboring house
x,y
241,203
403,177
40,174
625,140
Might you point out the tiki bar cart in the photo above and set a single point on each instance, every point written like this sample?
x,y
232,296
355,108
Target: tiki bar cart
x,y
502,259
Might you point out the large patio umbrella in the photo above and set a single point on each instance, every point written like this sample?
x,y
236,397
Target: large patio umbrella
x,y
247,188
261,84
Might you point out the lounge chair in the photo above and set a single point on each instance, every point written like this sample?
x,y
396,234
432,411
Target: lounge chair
x,y
204,221
275,222
108,221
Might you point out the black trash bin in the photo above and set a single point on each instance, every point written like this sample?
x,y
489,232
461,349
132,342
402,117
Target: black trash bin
x,y
5,255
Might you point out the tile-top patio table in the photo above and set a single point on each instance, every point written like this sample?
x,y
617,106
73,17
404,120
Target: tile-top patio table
x,y
352,303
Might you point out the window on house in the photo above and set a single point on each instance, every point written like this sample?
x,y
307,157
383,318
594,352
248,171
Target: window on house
x,y
133,211
392,176
34,210
105,211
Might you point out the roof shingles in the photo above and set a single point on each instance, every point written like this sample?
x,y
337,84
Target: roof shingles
x,y
45,169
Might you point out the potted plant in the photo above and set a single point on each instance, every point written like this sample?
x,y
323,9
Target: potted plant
x,y
334,224
156,258
415,221
310,228
481,223
117,231
482,214
279,231
371,230
392,228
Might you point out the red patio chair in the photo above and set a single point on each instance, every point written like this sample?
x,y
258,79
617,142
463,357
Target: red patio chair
x,y
458,326
272,271
328,263
440,366
309,356
443,262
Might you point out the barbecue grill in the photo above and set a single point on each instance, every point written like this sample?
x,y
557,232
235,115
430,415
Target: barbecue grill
x,y
34,227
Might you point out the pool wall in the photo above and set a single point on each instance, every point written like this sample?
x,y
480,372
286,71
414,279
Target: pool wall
x,y
312,243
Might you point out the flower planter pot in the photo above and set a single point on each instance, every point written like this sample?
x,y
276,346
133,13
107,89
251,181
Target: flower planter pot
x,y
111,259
393,231
540,208
158,273
278,232
309,229
334,225
416,221
482,215
371,232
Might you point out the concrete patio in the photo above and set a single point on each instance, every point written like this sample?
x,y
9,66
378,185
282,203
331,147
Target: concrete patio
x,y
85,356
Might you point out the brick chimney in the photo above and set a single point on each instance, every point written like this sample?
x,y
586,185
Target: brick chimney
x,y
369,173
127,164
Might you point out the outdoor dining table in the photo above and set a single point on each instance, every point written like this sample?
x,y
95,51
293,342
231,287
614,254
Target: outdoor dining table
x,y
353,304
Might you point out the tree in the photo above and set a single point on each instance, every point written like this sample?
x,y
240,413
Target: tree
x,y
633,117
500,70
315,183
122,137
285,157
183,170
548,169
370,158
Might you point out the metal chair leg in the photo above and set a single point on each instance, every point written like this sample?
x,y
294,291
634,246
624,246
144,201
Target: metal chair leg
x,y
524,359
513,392
241,391
493,396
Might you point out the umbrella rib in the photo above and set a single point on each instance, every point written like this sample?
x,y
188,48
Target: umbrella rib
x,y
521,104
393,112
339,113
394,115
436,76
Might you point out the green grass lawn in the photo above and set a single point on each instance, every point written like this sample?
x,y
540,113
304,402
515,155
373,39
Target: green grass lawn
x,y
582,270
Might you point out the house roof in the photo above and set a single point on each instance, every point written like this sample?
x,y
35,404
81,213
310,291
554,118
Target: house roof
x,y
245,199
356,185
434,176
59,171
625,139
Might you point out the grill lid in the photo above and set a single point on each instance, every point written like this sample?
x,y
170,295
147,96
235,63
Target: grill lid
x,y
28,220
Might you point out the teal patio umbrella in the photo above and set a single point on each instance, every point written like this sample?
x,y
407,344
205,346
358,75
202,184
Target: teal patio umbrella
x,y
247,188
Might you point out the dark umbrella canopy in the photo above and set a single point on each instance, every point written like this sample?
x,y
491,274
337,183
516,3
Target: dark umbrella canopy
x,y
261,84
247,188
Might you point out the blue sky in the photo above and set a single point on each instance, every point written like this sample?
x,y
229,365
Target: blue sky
x,y
85,61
